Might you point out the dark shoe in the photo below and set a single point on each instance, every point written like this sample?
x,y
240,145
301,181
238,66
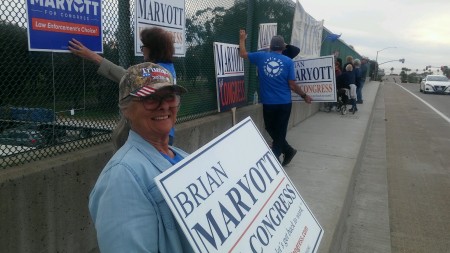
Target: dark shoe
x,y
353,110
288,157
359,102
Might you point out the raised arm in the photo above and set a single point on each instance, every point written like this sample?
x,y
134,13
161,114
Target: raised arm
x,y
242,51
106,68
78,49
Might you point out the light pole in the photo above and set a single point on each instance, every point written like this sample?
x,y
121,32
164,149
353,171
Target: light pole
x,y
376,60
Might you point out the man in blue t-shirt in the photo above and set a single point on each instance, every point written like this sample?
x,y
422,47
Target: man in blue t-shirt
x,y
276,80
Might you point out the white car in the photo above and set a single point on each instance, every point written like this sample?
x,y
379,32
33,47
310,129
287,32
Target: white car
x,y
435,84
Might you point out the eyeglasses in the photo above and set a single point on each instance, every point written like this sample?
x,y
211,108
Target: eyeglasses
x,y
142,47
154,101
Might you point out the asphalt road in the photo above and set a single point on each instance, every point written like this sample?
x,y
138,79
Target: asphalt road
x,y
418,166
404,181
440,102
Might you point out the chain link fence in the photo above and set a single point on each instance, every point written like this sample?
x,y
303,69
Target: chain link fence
x,y
53,103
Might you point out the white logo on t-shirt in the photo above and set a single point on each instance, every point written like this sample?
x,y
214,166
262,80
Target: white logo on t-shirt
x,y
273,67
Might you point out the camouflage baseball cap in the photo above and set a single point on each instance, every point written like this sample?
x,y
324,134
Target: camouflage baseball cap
x,y
144,79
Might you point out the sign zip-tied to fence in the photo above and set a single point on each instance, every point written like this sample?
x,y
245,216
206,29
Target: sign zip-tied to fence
x,y
51,27
230,84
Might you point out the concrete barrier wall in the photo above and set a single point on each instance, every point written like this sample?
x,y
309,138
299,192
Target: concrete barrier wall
x,y
43,204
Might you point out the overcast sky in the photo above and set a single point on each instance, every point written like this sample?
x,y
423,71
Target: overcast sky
x,y
420,30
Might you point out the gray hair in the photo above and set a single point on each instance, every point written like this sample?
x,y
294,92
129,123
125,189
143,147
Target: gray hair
x,y
349,67
120,133
357,62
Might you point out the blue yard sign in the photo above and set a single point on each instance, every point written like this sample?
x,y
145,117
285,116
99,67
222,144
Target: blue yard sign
x,y
52,23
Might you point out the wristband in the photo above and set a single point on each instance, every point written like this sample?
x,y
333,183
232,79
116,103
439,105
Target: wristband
x,y
303,96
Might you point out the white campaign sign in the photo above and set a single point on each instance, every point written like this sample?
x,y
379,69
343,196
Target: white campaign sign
x,y
166,14
306,33
266,32
232,195
317,78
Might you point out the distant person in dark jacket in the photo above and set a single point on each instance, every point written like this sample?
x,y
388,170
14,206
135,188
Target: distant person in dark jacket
x,y
349,82
348,60
338,75
357,70
338,72
364,68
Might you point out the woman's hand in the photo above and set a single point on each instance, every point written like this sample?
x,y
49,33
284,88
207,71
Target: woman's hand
x,y
77,48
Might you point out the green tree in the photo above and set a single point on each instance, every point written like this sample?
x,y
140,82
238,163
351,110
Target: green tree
x,y
15,63
446,71
413,78
403,76
222,25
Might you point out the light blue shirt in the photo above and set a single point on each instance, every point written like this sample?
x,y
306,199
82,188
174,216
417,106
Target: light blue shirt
x,y
129,212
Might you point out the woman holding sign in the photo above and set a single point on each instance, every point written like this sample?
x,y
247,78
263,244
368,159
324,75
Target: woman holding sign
x,y
129,212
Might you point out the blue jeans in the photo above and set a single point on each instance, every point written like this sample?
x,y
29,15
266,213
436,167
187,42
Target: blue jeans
x,y
359,90
276,119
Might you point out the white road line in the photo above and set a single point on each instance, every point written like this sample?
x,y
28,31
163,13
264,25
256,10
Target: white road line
x,y
426,103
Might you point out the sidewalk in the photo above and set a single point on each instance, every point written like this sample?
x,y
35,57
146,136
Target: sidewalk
x,y
329,154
